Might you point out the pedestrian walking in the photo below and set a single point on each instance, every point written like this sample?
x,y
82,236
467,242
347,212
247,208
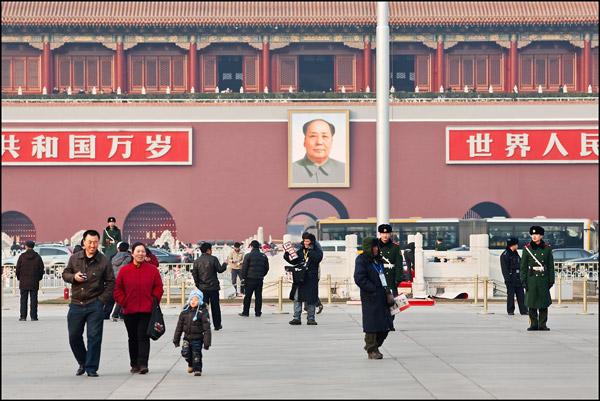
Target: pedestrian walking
x,y
138,283
122,258
194,323
92,283
510,263
29,270
234,263
254,270
537,276
369,276
205,271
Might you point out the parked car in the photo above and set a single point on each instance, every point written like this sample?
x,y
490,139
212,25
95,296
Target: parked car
x,y
562,254
52,255
460,248
583,267
164,256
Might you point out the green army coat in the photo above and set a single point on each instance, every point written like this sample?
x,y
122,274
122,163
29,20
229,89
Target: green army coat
x,y
538,282
393,270
110,239
440,247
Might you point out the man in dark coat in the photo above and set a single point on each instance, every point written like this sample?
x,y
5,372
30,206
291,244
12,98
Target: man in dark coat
x,y
376,317
537,276
392,258
439,246
307,291
205,272
510,263
254,269
30,270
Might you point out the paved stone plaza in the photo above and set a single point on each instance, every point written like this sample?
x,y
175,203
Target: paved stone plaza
x,y
442,351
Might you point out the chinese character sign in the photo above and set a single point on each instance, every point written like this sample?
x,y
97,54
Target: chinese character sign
x,y
493,145
91,147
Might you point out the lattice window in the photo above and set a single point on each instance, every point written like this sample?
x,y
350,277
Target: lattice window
x,y
250,71
33,73
554,71
288,71
495,71
151,74
6,73
568,70
481,72
78,74
595,71
137,73
423,72
227,76
345,72
106,73
468,73
540,71
454,71
165,74
210,72
19,72
178,73
526,71
92,73
64,71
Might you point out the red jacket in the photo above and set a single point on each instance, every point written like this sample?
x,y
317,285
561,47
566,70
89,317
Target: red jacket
x,y
135,287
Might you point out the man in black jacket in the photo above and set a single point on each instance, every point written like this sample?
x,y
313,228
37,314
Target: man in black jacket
x,y
510,262
30,270
254,268
205,272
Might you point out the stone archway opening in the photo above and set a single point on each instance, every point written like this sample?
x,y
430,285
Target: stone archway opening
x,y
484,210
18,226
305,212
146,222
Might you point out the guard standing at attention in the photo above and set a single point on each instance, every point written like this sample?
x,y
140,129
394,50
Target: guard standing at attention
x,y
110,238
537,276
392,258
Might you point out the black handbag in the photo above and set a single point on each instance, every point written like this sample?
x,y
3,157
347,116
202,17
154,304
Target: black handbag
x,y
156,328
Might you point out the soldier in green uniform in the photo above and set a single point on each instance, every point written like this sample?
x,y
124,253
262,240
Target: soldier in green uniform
x,y
537,276
110,238
392,258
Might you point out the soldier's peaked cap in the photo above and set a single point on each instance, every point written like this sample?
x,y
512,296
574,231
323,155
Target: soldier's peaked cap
x,y
384,228
536,230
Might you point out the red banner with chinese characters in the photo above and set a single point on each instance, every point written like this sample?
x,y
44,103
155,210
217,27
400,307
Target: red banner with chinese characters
x,y
515,145
97,147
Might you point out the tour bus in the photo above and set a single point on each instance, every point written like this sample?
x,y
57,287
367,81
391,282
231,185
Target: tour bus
x,y
560,233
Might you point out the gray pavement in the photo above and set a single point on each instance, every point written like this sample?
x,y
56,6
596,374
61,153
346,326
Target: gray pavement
x,y
442,351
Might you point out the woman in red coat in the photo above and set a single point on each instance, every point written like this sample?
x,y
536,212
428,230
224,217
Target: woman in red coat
x,y
137,283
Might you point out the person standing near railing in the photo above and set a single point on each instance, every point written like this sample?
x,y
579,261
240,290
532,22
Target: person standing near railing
x,y
537,275
254,270
234,261
29,271
205,272
110,238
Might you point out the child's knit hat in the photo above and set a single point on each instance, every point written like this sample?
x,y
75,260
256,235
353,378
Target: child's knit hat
x,y
198,294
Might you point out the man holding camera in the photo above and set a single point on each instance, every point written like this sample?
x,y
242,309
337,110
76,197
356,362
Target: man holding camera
x,y
307,289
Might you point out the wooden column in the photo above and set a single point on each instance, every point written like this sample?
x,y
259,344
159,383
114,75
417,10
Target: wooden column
x,y
193,64
46,66
439,57
265,72
587,62
119,73
367,64
513,63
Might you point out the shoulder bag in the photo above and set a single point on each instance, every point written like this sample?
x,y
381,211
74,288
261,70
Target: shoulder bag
x,y
156,327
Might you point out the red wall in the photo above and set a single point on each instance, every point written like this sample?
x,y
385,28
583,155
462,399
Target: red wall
x,y
238,182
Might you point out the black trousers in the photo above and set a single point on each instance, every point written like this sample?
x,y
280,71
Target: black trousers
x,y
212,298
511,291
139,342
253,285
375,340
33,295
